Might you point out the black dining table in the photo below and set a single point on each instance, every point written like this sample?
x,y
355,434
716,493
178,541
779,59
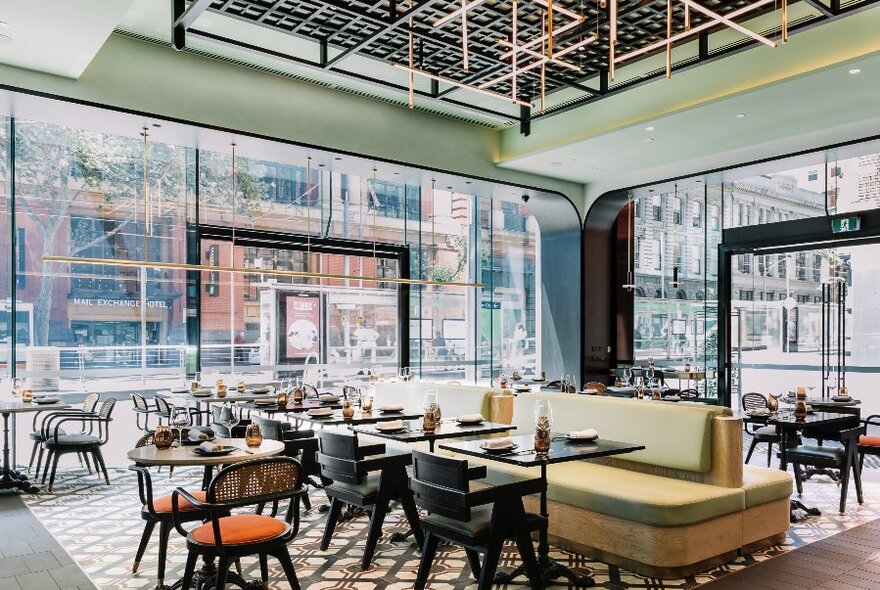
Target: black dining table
x,y
291,407
562,450
413,431
359,418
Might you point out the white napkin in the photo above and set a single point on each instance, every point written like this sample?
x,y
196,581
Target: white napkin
x,y
471,418
392,425
198,435
329,397
586,433
210,447
391,408
497,443
320,412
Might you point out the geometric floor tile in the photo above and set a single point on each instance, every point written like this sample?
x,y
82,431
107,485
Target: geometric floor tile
x,y
100,527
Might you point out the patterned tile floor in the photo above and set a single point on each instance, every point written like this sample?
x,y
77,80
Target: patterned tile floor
x,y
100,526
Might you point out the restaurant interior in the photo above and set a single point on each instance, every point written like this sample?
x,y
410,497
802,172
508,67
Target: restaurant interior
x,y
428,294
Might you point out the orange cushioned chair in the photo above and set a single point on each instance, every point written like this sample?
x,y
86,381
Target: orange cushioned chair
x,y
158,511
869,444
227,538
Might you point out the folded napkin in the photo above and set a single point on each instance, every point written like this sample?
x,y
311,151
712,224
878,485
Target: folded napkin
x,y
329,397
497,443
200,434
591,391
392,425
392,408
586,433
210,447
471,418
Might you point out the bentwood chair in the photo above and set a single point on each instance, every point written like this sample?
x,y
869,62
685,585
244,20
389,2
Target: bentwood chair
x,y
869,444
60,443
143,409
309,391
157,510
40,433
689,393
365,477
760,434
228,538
844,458
350,392
479,521
163,410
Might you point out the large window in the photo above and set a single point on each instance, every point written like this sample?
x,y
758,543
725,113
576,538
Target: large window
x,y
99,198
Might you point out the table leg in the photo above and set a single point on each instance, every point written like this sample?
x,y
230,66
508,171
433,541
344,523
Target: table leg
x,y
548,568
204,579
10,480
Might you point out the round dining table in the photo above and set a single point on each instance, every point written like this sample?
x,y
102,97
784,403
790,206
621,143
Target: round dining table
x,y
183,455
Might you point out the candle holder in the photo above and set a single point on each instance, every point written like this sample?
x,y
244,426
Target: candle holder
x,y
543,426
27,395
432,411
163,437
253,436
773,403
282,399
347,410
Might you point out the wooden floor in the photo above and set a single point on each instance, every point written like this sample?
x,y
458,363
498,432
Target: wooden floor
x,y
846,561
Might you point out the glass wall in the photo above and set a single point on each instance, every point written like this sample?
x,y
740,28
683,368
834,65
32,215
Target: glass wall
x,y
98,197
777,301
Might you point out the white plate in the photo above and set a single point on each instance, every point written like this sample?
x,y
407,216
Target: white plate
x,y
389,427
391,409
328,398
320,412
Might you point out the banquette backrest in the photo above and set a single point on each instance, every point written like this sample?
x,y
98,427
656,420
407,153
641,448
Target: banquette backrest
x,y
687,441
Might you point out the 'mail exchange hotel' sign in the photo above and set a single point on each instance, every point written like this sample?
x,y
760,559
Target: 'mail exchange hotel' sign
x,y
127,310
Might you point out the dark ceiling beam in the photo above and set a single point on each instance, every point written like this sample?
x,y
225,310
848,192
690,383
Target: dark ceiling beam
x,y
821,7
393,24
184,17
316,67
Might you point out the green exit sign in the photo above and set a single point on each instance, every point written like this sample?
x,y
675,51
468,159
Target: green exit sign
x,y
841,225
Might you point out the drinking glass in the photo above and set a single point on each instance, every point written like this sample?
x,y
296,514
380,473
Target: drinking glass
x,y
627,375
650,375
228,418
179,421
367,399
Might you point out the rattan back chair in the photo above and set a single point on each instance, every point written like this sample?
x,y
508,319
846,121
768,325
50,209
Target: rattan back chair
x,y
157,510
351,392
688,393
760,433
163,409
309,391
143,410
229,537
600,388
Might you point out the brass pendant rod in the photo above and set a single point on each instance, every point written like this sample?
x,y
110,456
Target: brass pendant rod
x,y
668,37
543,51
513,58
146,134
234,203
411,75
550,29
256,271
464,35
785,21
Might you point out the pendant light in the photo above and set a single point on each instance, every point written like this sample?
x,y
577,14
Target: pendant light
x,y
630,284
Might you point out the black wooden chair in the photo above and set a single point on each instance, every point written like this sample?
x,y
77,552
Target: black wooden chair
x,y
228,538
760,434
299,444
480,520
365,477
157,510
844,458
869,444
42,431
60,443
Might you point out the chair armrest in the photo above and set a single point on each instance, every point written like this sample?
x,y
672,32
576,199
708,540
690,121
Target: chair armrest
x,y
375,449
516,489
90,418
399,458
477,472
